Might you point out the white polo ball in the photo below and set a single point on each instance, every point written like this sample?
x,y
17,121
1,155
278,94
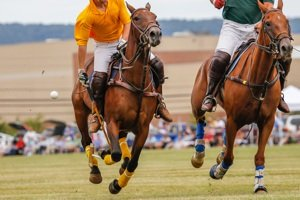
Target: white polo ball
x,y
54,94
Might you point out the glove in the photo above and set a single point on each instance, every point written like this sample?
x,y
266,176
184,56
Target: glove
x,y
122,44
219,3
83,78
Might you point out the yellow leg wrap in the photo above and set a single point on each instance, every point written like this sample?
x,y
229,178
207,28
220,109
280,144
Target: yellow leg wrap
x,y
108,160
89,151
124,178
124,148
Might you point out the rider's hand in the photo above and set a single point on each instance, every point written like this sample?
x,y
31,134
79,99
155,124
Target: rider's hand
x,y
122,43
219,3
83,77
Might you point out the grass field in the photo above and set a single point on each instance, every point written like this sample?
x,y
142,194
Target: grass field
x,y
162,174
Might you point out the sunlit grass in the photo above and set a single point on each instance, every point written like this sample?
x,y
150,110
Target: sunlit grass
x,y
161,174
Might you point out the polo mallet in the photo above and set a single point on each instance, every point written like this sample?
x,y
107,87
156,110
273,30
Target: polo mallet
x,y
100,118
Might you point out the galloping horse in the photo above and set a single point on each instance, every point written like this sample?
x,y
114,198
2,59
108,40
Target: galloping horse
x,y
250,92
130,100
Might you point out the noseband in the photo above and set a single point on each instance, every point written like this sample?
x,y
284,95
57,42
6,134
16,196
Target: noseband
x,y
273,47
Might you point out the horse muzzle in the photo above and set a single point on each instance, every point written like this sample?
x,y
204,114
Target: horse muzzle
x,y
285,49
154,36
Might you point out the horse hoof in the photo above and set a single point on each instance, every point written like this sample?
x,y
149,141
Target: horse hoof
x,y
198,159
260,190
212,171
114,187
220,157
95,175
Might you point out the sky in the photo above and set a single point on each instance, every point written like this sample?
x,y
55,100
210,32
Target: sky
x,y
66,11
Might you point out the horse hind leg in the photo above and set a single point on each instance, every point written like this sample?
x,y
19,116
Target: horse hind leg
x,y
81,115
197,159
218,170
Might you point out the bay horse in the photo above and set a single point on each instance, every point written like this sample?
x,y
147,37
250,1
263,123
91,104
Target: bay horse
x,y
130,100
250,93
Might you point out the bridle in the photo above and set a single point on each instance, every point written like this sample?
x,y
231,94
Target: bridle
x,y
273,47
143,39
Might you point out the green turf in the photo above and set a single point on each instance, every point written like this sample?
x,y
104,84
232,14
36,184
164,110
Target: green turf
x,y
161,174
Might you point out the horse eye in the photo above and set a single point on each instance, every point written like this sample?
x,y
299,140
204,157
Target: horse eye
x,y
136,18
268,24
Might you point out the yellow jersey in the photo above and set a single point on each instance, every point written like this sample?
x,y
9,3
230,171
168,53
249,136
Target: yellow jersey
x,y
103,26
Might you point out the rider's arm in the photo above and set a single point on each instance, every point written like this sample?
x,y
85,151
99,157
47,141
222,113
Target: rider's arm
x,y
126,31
82,49
125,19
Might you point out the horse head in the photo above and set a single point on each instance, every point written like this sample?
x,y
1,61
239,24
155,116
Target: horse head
x,y
145,25
276,26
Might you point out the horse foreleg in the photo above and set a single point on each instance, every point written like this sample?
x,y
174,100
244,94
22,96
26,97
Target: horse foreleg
x,y
113,133
265,131
218,171
198,157
139,141
126,155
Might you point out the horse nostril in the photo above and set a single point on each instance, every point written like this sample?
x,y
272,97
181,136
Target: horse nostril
x,y
152,34
283,48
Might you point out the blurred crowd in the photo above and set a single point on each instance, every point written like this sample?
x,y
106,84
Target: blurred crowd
x,y
162,136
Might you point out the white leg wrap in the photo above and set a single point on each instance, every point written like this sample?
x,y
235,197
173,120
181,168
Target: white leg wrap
x,y
220,171
259,179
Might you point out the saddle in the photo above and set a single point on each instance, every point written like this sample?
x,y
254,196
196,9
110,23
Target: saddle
x,y
116,63
237,55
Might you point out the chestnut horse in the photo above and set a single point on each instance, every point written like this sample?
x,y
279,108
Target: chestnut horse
x,y
250,93
130,100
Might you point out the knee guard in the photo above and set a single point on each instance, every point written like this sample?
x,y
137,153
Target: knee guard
x,y
98,84
219,62
158,68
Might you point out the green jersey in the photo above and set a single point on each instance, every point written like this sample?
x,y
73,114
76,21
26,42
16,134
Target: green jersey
x,y
243,11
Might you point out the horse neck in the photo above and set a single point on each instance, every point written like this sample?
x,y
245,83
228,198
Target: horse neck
x,y
262,61
135,73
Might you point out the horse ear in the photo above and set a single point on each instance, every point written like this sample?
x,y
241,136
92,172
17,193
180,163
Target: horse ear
x,y
130,7
148,6
262,7
279,4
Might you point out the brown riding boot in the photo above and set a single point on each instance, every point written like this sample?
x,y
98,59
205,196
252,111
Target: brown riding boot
x,y
283,107
161,110
219,62
98,87
93,123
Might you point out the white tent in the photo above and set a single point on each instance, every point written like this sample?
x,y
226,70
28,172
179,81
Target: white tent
x,y
292,97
